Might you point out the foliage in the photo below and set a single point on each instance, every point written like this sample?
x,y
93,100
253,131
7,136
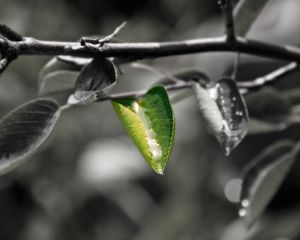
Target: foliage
x,y
229,110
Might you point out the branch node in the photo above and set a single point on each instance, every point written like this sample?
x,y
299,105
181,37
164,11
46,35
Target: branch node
x,y
84,41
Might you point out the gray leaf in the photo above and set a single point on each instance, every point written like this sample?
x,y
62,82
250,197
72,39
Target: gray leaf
x,y
225,112
94,81
245,13
263,177
23,130
59,76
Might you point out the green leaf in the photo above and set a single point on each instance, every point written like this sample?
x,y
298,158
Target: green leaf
x,y
263,177
224,110
23,130
95,80
149,121
245,14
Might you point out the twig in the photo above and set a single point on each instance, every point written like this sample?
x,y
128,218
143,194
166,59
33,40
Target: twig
x,y
94,41
30,46
271,77
137,94
226,6
126,52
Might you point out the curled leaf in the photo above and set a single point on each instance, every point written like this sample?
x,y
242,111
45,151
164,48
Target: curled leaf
x,y
58,85
150,123
58,77
263,177
95,80
23,130
224,110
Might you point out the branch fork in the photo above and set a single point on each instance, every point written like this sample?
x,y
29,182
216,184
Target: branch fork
x,y
12,45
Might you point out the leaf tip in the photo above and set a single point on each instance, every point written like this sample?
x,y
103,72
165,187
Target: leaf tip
x,y
159,170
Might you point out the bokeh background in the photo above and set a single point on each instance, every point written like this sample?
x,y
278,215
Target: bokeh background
x,y
89,181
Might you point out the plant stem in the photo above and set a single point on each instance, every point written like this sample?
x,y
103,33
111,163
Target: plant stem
x,y
137,94
30,46
270,77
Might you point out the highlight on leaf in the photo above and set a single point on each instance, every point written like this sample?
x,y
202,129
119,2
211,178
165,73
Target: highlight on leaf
x,y
94,81
263,176
149,122
23,130
224,111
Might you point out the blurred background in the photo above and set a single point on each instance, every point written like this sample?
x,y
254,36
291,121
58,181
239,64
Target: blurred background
x,y
89,181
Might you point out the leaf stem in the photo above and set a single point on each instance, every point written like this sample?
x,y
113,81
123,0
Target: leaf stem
x,y
140,93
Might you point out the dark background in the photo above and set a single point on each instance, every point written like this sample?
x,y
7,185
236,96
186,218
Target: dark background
x,y
89,181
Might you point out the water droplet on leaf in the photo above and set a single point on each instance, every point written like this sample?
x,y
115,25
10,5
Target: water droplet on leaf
x,y
242,212
225,112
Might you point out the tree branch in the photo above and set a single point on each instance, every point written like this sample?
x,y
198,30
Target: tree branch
x,y
31,46
270,77
13,45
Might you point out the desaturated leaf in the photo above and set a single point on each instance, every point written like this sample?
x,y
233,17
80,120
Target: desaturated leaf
x,y
270,111
149,121
245,13
256,126
268,104
94,81
263,177
58,76
58,85
23,130
224,111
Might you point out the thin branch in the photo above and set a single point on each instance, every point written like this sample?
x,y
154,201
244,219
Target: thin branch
x,y
226,6
137,94
137,50
271,77
86,40
9,33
